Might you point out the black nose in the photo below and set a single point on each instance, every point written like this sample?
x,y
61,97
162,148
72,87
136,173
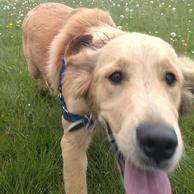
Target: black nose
x,y
158,141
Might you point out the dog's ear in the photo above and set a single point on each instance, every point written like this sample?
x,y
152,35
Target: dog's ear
x,y
80,63
58,51
77,44
79,71
79,74
187,95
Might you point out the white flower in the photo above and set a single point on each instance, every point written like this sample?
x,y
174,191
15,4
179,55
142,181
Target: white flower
x,y
127,9
174,9
122,16
173,34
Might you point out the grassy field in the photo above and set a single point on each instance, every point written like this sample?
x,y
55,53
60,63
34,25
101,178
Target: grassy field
x,y
30,122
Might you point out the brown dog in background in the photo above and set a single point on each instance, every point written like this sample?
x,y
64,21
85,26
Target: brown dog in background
x,y
132,81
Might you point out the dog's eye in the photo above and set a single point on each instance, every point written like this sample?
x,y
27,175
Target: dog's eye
x,y
116,77
170,78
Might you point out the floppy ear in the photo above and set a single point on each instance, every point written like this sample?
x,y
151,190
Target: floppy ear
x,y
81,60
187,96
78,43
61,48
80,65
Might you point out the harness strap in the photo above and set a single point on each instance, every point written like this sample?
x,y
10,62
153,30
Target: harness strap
x,y
114,148
78,121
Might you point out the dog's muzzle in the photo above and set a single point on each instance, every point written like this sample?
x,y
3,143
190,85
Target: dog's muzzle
x,y
138,180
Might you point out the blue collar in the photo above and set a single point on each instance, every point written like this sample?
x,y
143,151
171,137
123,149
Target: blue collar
x,y
77,120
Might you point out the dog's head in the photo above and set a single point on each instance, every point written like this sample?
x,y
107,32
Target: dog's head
x,y
137,85
136,88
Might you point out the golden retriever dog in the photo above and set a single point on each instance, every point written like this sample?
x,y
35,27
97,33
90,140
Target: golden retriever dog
x,y
133,84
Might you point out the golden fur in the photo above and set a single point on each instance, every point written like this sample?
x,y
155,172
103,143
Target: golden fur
x,y
93,49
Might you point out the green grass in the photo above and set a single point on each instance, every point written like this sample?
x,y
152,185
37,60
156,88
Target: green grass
x,y
30,122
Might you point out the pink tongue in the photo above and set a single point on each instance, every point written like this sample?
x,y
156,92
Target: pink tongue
x,y
139,181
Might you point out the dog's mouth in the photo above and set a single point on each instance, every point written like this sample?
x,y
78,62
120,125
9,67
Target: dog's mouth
x,y
141,181
138,180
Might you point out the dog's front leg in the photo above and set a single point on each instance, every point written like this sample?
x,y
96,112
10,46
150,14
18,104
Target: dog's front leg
x,y
74,146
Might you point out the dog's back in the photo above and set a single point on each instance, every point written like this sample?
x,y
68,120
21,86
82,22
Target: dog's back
x,y
40,26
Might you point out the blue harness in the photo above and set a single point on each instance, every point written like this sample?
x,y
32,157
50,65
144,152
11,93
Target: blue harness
x,y
77,121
